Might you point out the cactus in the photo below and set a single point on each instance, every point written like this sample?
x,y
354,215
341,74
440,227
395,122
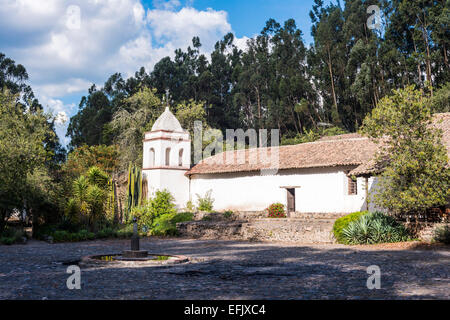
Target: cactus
x,y
134,190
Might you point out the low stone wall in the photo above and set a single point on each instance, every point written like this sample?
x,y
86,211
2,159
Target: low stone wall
x,y
300,227
425,230
314,228
211,230
289,230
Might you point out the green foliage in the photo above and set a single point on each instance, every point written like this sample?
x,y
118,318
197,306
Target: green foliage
x,y
278,81
65,236
312,135
341,223
374,227
440,101
136,115
12,235
442,234
165,225
333,131
86,127
22,151
228,214
161,204
97,177
309,136
96,199
125,232
189,112
73,233
413,159
190,206
276,210
88,204
106,158
205,203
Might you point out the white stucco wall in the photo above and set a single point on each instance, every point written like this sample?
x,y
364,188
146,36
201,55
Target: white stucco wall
x,y
373,191
173,180
320,190
158,174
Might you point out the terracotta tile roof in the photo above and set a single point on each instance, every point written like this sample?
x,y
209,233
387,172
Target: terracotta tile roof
x,y
343,150
341,137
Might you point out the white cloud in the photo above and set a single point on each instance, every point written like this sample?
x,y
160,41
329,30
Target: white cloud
x,y
61,118
113,36
241,43
178,28
63,58
68,86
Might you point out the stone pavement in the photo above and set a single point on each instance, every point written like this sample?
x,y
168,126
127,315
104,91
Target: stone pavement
x,y
225,270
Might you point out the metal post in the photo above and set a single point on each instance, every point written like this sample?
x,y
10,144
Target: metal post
x,y
135,237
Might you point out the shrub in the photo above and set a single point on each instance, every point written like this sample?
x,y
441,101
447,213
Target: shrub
x,y
125,232
205,203
276,210
442,234
165,225
83,235
374,227
343,222
228,214
97,177
107,232
89,198
190,206
7,240
61,236
161,204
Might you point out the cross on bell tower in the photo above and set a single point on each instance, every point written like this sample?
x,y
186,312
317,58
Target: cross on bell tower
x,y
167,97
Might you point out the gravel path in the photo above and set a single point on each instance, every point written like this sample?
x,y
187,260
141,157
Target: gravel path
x,y
226,270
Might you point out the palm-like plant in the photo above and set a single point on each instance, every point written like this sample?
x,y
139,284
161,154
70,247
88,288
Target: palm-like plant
x,y
80,194
97,177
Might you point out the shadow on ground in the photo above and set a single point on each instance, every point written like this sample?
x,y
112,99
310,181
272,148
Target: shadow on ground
x,y
227,270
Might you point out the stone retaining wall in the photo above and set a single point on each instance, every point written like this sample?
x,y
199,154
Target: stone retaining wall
x,y
312,228
300,227
290,230
425,230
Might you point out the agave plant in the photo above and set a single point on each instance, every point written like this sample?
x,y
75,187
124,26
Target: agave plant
x,y
375,227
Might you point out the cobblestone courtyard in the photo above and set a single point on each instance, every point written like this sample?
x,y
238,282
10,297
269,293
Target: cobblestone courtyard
x,y
226,270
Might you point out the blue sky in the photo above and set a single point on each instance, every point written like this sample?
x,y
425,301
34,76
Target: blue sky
x,y
68,45
247,17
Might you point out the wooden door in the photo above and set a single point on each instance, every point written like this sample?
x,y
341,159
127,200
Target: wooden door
x,y
290,200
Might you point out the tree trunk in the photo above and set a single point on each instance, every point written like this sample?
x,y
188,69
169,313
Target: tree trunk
x,y
332,80
418,64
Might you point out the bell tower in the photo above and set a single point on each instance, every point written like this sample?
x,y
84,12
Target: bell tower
x,y
167,157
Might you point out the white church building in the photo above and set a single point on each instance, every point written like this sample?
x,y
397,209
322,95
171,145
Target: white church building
x,y
311,177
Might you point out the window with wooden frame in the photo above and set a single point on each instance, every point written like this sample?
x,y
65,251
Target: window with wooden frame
x,y
352,186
